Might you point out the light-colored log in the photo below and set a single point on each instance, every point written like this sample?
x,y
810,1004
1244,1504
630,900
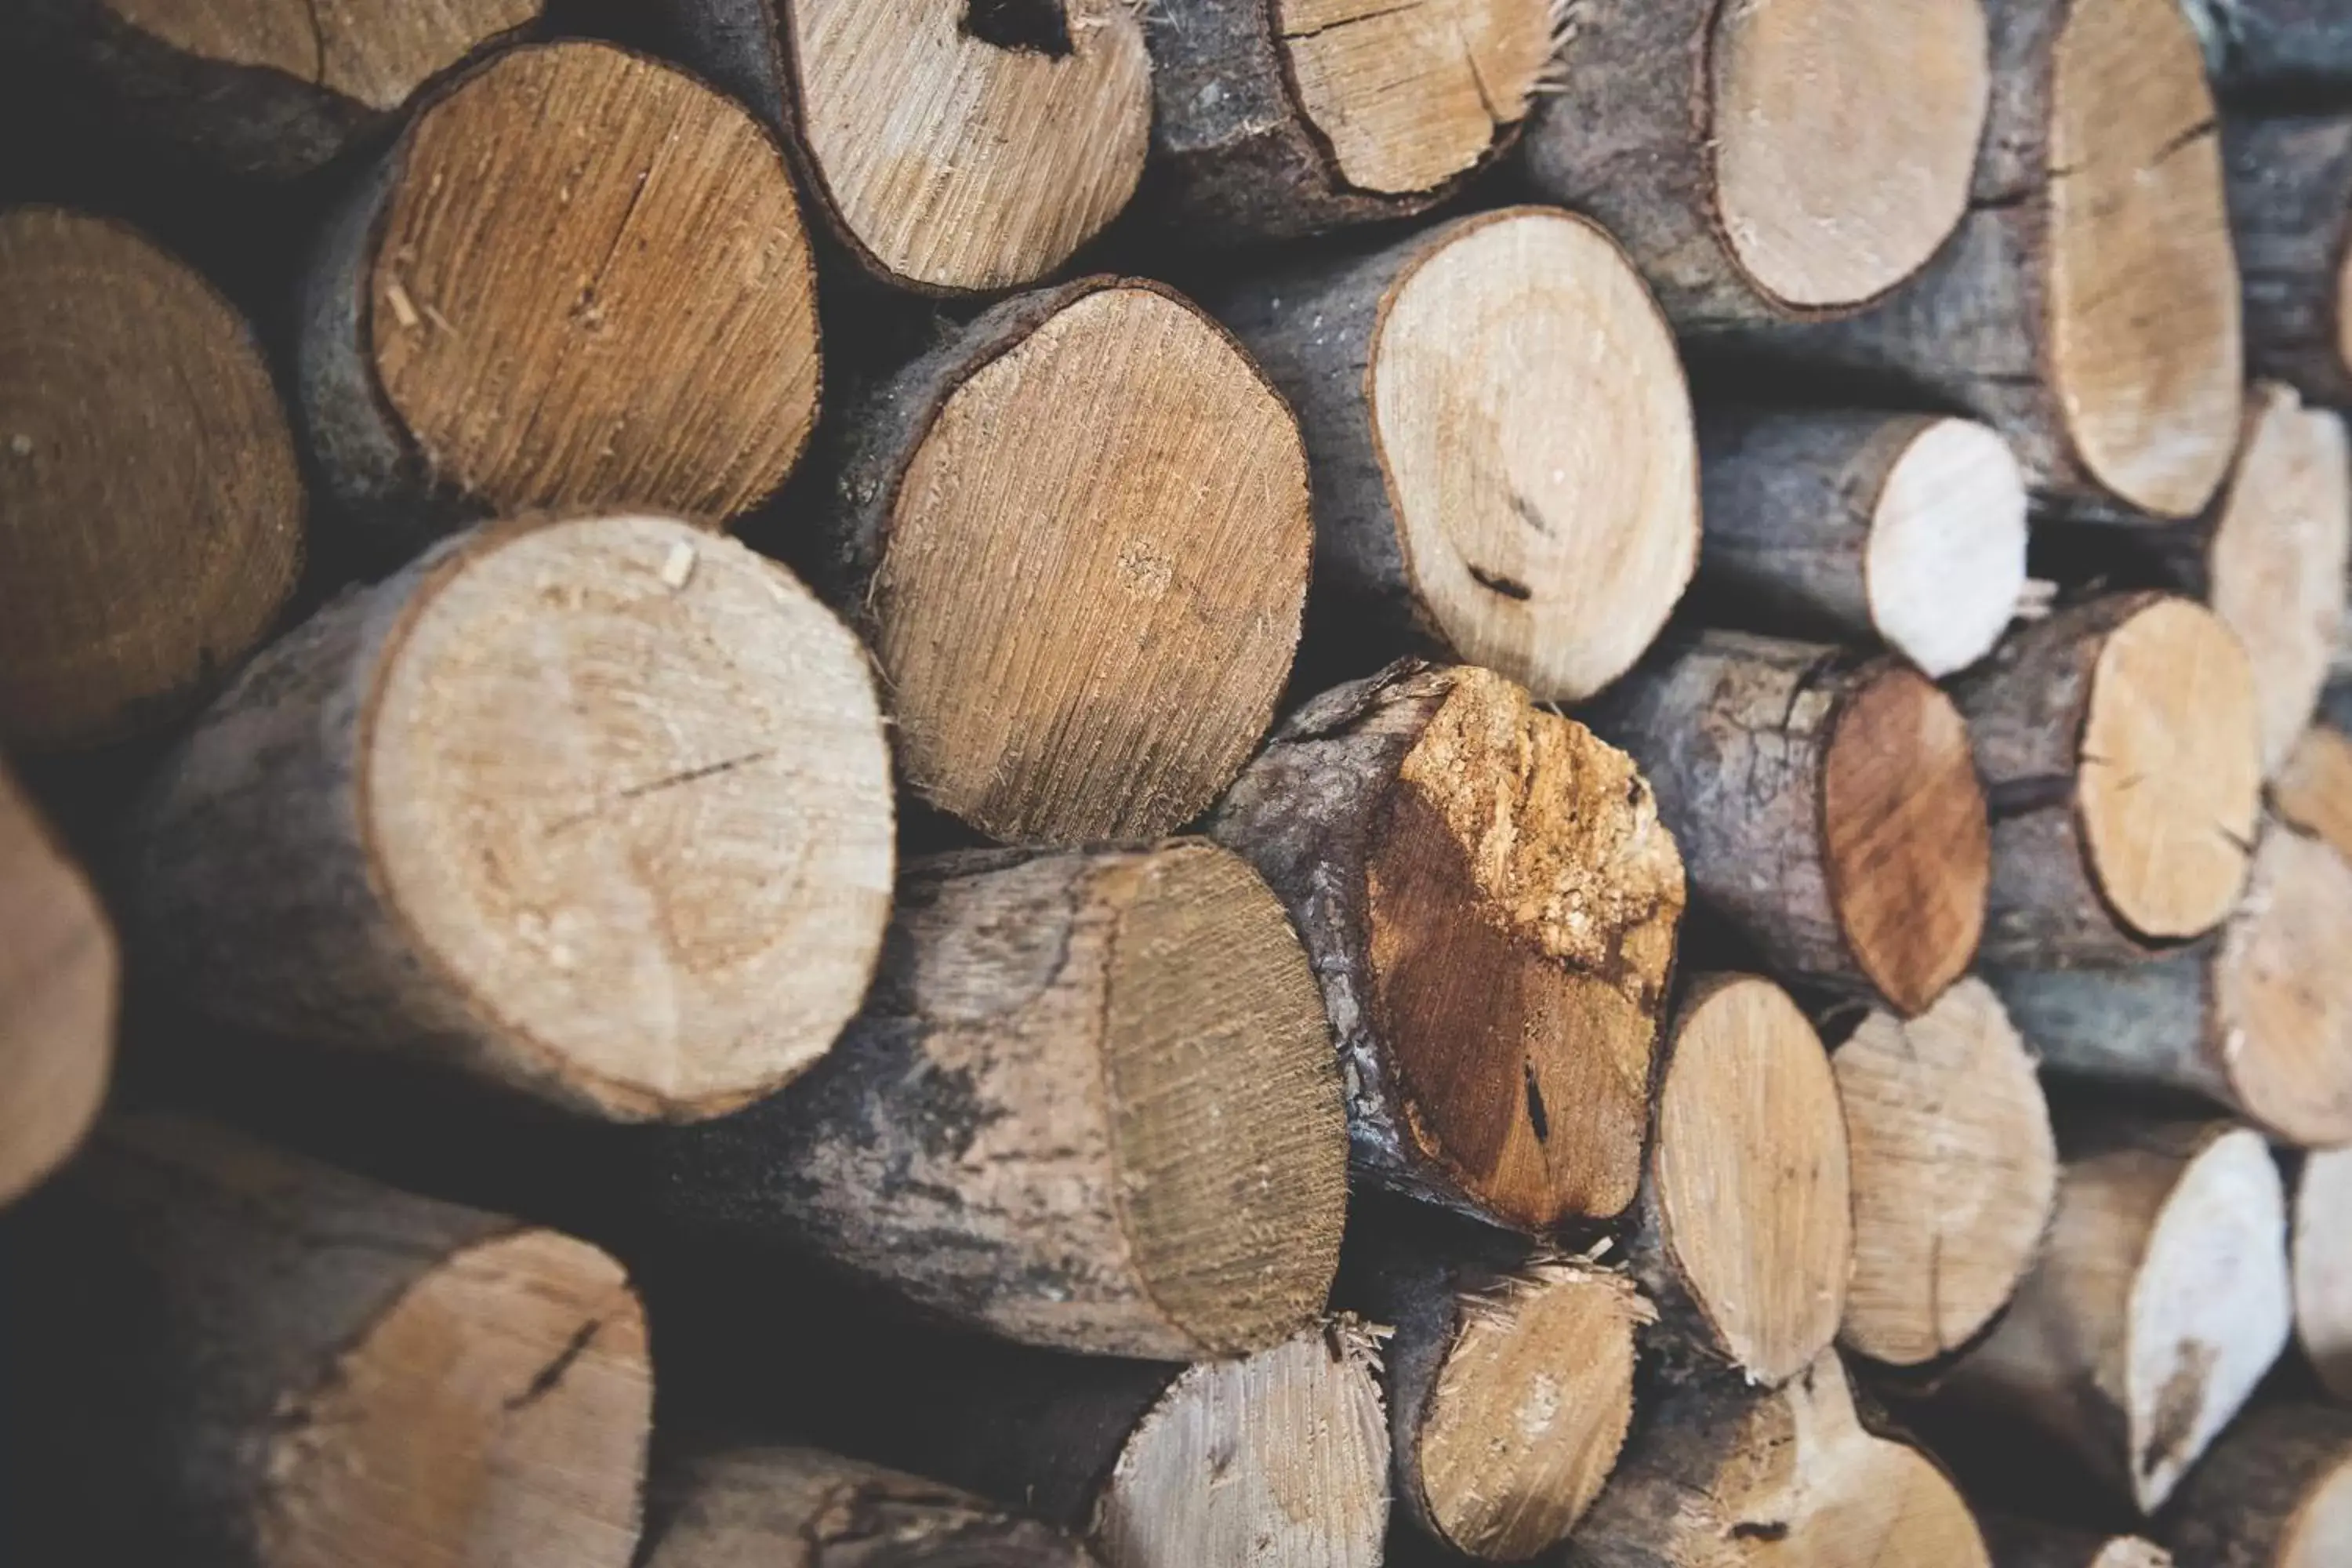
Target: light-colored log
x,y
58,997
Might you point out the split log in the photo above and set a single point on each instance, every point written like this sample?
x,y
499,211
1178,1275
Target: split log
x,y
1955,1173
2313,792
57,985
2257,1018
1860,526
1491,905
151,510
2320,1250
1091,1105
596,811
2120,749
1782,162
799,1507
1281,1458
1825,803
2093,319
950,148
1746,1239
1509,1391
246,1357
273,89
1504,469
2159,1301
578,282
2029,1543
1076,537
2276,1492
2290,188
1275,119
1720,1475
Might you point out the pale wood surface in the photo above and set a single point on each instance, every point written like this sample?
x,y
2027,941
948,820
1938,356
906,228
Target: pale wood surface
x,y
59,979
2276,1493
2314,790
2320,1249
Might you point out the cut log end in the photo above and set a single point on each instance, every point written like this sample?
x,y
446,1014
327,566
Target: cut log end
x,y
2170,775
2320,1534
2287,1054
1751,1174
626,784
1907,849
1945,563
587,286
2322,1264
1551,549
1284,1455
2145,339
1955,1172
1530,1410
1229,1044
1831,198
1407,97
151,510
1524,899
375,54
2313,791
1132,498
522,1360
1015,129
59,972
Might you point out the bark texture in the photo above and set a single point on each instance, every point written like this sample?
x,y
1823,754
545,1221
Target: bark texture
x,y
2276,1492
2029,1543
2291,219
2254,45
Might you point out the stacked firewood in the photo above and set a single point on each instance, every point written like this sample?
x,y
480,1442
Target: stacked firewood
x,y
1188,784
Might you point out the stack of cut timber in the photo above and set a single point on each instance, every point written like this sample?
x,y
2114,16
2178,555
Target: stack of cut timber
x,y
1481,780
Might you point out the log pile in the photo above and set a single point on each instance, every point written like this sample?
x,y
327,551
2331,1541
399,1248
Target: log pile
x,y
1208,784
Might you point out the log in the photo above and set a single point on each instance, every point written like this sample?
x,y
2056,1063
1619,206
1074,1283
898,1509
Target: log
x,y
2289,191
2255,1018
247,1357
58,997
2119,744
269,88
2029,1543
1785,162
596,811
2158,1304
1090,1105
2093,319
1278,118
949,149
2275,1493
1746,1233
2259,47
1491,905
1955,1173
1505,471
1825,803
578,282
151,511
734,1506
1858,526
2319,1250
1720,1475
1509,1391
2313,792
1076,538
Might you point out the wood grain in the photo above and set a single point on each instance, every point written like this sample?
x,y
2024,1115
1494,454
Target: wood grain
x,y
58,980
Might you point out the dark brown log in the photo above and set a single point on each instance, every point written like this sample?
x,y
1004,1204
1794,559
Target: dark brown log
x,y
248,1358
1274,119
2257,1018
1823,800
151,510
274,88
1500,431
596,811
2160,1301
578,282
767,1507
950,148
57,985
2276,1492
2289,185
1491,905
2121,754
2029,1543
1076,537
2320,1252
1767,162
1857,525
2093,319
1091,1104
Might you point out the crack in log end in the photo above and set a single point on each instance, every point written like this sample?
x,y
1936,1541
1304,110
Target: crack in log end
x,y
1527,511
1356,20
1760,1529
1536,1119
544,1382
1494,582
2194,134
1020,26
